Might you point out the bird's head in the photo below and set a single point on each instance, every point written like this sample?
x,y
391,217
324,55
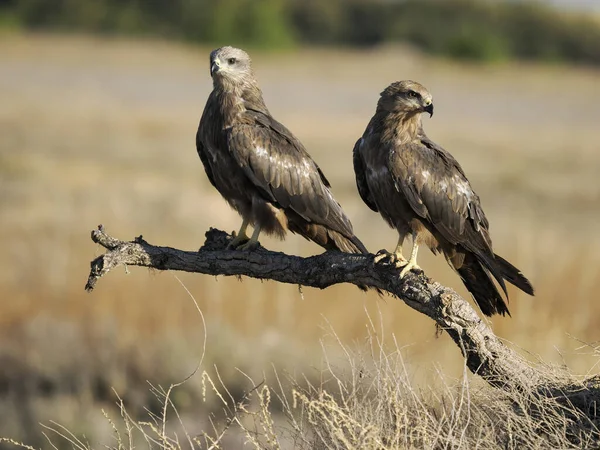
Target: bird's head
x,y
230,66
406,97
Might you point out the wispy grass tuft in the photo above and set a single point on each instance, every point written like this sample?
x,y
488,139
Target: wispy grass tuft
x,y
366,400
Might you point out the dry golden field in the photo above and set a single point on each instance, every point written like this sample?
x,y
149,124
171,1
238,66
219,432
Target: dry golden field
x,y
102,131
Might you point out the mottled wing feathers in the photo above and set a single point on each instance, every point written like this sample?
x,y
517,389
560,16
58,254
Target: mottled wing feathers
x,y
361,176
435,186
204,158
277,164
438,191
475,212
263,119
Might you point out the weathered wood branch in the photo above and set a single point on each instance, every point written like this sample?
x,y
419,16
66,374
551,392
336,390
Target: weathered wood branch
x,y
486,355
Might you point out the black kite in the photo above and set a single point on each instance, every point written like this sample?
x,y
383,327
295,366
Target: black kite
x,y
260,167
421,190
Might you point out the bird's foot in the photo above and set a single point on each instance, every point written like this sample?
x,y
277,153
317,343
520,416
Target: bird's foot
x,y
408,266
388,258
237,241
382,256
249,246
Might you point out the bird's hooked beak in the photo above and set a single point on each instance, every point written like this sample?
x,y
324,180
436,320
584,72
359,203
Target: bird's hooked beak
x,y
215,66
429,108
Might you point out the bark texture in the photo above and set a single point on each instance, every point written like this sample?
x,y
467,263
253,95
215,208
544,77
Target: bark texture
x,y
486,355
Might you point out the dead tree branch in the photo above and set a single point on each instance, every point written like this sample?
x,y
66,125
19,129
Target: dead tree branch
x,y
486,355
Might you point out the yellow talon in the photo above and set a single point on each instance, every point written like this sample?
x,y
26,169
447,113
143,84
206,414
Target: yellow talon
x,y
396,258
253,243
240,237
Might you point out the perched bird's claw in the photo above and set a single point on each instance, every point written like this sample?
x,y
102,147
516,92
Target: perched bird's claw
x,y
237,241
382,256
408,266
249,246
400,262
388,258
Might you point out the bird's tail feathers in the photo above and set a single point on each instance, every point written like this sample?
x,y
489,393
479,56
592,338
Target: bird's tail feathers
x,y
347,245
489,264
350,245
479,283
329,239
513,275
326,237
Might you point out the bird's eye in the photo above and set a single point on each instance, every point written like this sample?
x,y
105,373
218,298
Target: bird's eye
x,y
414,94
231,61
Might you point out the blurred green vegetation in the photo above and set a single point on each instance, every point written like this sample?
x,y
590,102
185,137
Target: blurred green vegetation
x,y
466,29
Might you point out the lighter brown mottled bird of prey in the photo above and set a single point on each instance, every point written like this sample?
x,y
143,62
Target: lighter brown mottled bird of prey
x,y
260,168
421,190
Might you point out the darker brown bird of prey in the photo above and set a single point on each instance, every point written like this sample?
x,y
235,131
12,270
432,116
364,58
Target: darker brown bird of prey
x,y
421,190
260,168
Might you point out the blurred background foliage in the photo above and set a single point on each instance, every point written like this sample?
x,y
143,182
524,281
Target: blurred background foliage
x,y
466,29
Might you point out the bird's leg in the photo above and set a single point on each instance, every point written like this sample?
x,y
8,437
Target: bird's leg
x,y
412,262
396,258
253,242
399,258
240,237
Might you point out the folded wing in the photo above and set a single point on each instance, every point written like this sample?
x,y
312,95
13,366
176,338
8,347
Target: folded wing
x,y
283,171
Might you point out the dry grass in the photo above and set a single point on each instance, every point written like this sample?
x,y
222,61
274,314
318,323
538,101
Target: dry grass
x,y
102,131
366,399
377,404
